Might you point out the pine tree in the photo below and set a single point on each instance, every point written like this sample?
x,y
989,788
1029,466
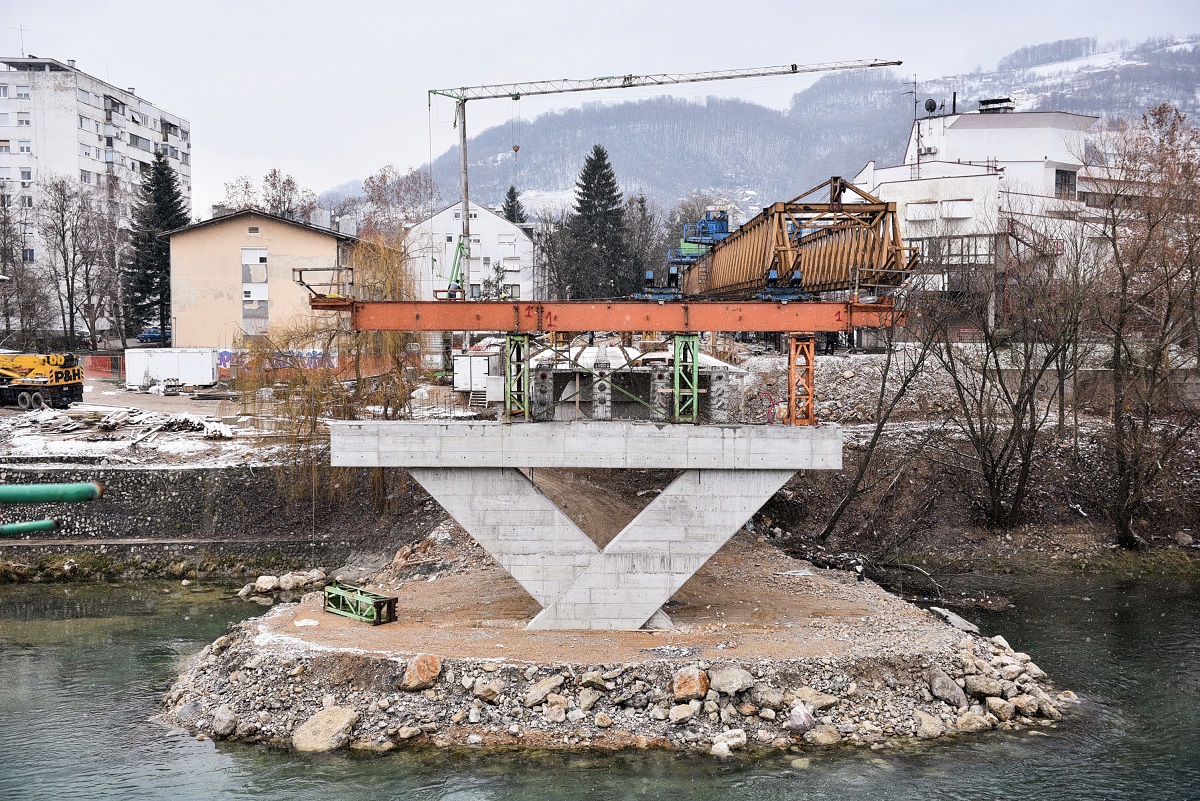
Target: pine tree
x,y
598,231
513,211
147,275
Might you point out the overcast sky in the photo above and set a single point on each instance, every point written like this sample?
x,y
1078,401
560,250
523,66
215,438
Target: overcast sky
x,y
330,91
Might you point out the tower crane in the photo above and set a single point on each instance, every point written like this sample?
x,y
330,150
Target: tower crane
x,y
516,91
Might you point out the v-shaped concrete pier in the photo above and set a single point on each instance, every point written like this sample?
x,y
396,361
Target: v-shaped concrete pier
x,y
473,471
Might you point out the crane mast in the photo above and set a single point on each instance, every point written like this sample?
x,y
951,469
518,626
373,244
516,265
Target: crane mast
x,y
515,91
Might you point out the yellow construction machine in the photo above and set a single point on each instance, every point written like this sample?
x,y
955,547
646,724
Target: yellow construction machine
x,y
31,380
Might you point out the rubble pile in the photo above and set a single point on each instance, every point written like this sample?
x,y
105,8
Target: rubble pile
x,y
258,686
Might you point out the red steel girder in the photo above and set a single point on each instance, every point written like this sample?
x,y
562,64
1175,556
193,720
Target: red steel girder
x,y
616,316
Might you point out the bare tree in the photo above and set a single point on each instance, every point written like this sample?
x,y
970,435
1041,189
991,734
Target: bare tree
x,y
241,194
1145,191
644,235
1023,316
907,342
395,201
283,196
71,222
24,301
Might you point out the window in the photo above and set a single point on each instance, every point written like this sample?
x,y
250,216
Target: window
x,y
83,96
22,93
27,201
185,158
4,118
84,122
512,265
5,146
85,177
254,291
254,256
476,291
24,146
27,255
253,229
3,90
5,173
5,201
512,291
27,173
1064,184
86,151
184,134
487,262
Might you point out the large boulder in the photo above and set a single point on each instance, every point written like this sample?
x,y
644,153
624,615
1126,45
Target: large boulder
x,y
327,730
488,691
928,726
266,584
421,672
970,722
815,699
800,720
1002,709
982,686
224,722
945,688
538,692
734,738
689,683
823,735
765,697
730,680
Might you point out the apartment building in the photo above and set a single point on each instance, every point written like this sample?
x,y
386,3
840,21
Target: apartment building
x,y
57,119
502,255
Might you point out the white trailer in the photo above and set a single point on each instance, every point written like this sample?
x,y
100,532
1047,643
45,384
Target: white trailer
x,y
192,367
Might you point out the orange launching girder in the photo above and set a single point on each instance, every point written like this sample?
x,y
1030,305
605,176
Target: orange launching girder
x,y
811,245
614,316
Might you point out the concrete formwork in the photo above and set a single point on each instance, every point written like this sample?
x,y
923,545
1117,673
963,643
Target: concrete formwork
x,y
473,470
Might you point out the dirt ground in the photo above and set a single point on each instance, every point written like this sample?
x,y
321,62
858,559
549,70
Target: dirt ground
x,y
454,600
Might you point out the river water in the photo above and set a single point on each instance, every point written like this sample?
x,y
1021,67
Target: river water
x,y
82,667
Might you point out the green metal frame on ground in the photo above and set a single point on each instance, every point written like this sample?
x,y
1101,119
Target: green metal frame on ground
x,y
359,604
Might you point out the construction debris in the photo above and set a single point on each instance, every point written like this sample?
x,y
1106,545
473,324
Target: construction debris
x,y
138,424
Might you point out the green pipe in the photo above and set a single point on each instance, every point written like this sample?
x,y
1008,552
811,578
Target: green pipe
x,y
15,529
49,493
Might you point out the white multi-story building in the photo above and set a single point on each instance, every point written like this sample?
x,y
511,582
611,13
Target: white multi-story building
x,y
57,119
968,178
502,254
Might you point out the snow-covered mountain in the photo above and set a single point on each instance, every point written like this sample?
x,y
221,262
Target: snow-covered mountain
x,y
753,155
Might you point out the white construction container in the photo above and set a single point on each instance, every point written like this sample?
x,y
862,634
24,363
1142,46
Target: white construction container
x,y
471,371
193,367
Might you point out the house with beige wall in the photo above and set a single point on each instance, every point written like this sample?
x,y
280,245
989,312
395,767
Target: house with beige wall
x,y
232,275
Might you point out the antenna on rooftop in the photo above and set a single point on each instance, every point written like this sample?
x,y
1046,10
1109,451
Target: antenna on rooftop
x,y
21,29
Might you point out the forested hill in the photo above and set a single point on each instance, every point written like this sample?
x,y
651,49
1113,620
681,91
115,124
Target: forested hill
x,y
752,155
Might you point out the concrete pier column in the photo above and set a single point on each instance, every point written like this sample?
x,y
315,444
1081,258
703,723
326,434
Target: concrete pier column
x,y
473,470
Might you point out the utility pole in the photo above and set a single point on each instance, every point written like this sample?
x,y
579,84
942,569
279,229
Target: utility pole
x,y
515,91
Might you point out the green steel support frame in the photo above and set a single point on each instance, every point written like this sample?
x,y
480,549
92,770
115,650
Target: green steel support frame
x,y
687,377
516,376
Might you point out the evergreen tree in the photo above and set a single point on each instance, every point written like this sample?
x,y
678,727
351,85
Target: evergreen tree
x,y
513,211
598,230
147,275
